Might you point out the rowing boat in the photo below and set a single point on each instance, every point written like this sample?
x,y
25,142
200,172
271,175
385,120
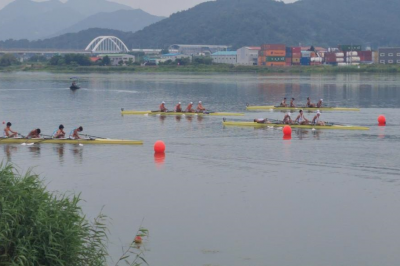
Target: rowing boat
x,y
301,108
255,124
132,112
70,141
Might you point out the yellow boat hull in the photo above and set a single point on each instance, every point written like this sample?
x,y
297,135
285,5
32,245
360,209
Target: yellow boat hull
x,y
70,141
132,112
301,108
254,124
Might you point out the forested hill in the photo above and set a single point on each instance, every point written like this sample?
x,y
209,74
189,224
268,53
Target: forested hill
x,y
71,41
253,22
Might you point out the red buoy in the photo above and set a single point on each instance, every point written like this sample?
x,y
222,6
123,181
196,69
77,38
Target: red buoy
x,y
382,120
287,130
287,137
159,146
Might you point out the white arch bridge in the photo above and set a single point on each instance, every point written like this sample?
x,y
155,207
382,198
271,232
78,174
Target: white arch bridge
x,y
107,45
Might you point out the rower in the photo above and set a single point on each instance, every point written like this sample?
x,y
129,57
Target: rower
x,y
319,104
34,134
189,108
292,103
74,134
283,103
178,107
59,134
200,108
287,119
301,119
262,121
8,131
163,108
309,104
316,121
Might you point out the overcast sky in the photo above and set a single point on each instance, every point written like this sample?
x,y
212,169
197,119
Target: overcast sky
x,y
155,7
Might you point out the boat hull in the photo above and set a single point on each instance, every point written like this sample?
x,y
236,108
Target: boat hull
x,y
70,141
301,108
179,113
254,124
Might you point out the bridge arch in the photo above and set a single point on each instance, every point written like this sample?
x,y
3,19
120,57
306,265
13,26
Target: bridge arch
x,y
107,44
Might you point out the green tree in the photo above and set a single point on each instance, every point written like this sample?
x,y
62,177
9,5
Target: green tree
x,y
106,61
8,60
120,62
54,60
183,61
38,58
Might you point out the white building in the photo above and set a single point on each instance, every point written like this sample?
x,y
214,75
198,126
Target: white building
x,y
197,49
116,58
227,57
248,56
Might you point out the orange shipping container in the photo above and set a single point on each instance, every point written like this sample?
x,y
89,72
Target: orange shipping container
x,y
266,47
275,64
275,53
295,60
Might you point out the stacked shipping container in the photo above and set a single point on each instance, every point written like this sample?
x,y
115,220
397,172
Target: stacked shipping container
x,y
288,58
296,56
280,55
272,55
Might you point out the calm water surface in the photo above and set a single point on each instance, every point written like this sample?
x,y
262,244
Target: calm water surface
x,y
222,196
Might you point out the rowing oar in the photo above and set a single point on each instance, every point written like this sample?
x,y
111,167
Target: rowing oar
x,y
91,136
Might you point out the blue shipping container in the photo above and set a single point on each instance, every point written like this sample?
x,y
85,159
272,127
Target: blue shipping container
x,y
305,61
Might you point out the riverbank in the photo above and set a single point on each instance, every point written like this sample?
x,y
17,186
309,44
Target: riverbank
x,y
217,68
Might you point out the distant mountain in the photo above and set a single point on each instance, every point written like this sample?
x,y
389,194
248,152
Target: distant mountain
x,y
123,20
69,41
27,19
91,7
253,22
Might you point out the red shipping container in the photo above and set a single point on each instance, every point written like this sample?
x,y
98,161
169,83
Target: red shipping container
x,y
296,49
288,60
266,47
288,64
296,55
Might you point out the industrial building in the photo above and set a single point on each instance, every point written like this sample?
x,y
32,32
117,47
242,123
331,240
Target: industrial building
x,y
197,49
248,56
389,55
225,57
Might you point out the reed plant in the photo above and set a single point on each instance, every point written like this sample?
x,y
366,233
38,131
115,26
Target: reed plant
x,y
38,227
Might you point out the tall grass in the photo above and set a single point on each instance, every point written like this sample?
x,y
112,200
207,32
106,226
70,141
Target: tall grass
x,y
40,228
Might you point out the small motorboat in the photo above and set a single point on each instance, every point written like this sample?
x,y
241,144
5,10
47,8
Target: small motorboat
x,y
74,85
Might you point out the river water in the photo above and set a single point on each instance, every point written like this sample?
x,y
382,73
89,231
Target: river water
x,y
222,196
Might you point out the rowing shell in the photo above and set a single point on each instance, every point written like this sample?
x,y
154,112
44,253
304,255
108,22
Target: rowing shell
x,y
131,112
72,141
255,124
302,108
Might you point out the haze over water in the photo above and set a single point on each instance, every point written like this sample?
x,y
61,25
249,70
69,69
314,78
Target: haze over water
x,y
222,196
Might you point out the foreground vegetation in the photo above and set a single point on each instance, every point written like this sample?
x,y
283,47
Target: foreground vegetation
x,y
41,228
201,68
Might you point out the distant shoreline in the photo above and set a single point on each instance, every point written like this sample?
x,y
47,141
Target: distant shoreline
x,y
220,68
